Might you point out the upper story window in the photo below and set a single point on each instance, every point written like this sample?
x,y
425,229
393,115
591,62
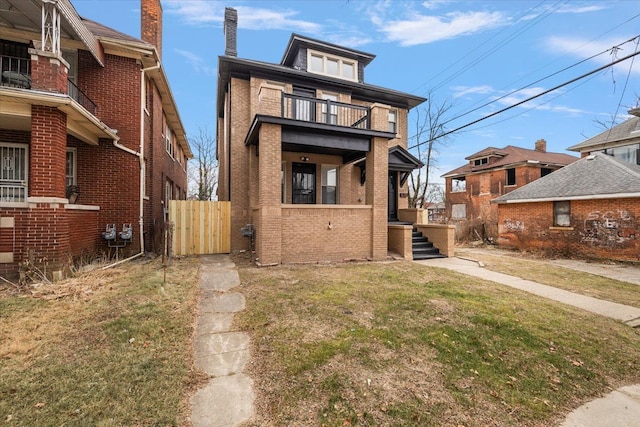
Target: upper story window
x,y
480,162
71,56
626,153
511,176
167,134
393,121
458,185
330,65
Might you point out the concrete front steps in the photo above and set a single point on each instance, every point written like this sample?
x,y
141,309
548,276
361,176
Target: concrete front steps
x,y
423,248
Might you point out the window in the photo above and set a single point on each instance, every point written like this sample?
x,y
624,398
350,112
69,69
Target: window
x,y
393,121
627,153
511,176
71,166
545,172
562,214
71,56
168,195
329,185
13,176
482,161
168,136
320,63
458,185
459,211
332,117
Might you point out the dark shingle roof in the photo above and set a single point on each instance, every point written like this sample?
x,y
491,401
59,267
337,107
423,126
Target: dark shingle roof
x,y
511,155
629,129
594,176
100,30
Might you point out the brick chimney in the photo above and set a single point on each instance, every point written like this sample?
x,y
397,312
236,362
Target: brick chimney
x,y
151,23
230,31
541,145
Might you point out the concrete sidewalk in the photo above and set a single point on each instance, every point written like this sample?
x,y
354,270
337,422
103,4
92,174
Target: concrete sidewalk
x,y
620,408
227,400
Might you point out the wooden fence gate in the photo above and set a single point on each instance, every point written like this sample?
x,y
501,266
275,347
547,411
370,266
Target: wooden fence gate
x,y
200,227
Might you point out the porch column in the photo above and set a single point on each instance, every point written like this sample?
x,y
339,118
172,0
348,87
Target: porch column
x,y
376,195
269,229
47,229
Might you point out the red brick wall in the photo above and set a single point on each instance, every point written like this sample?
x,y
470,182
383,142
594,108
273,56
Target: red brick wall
x,y
48,74
47,152
601,229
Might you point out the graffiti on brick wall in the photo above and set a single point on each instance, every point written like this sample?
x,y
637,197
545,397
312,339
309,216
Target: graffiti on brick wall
x,y
609,228
509,225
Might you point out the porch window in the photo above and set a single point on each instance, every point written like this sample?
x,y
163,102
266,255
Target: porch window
x,y
329,185
13,176
393,121
71,166
562,214
511,176
303,185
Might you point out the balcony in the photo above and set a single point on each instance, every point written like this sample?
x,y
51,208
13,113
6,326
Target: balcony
x,y
16,72
325,111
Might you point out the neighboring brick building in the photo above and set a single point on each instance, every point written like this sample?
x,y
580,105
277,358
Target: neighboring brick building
x,y
89,135
310,156
491,173
588,209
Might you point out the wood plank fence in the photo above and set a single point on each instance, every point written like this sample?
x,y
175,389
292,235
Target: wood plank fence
x,y
200,227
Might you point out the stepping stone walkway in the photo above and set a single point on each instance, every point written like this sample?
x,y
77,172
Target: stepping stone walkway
x,y
227,400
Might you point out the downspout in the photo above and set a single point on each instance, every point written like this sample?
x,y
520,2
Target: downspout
x,y
140,155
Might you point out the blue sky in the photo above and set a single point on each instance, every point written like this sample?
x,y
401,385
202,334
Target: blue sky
x,y
469,53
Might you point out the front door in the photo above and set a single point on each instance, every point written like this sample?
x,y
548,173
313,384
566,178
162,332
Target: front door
x,y
393,196
303,185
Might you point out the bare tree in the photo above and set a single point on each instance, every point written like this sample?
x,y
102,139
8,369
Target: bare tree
x,y
430,128
203,169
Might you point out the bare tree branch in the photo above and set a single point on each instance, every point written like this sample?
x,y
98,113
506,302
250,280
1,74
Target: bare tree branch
x,y
203,169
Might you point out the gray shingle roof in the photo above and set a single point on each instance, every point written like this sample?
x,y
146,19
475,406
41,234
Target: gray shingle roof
x,y
594,176
627,130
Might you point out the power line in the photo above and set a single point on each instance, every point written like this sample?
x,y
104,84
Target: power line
x,y
528,99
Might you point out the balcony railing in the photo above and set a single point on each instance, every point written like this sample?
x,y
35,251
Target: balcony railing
x,y
324,111
82,99
15,71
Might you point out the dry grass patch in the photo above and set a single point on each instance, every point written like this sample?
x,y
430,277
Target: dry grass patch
x,y
525,266
109,348
404,344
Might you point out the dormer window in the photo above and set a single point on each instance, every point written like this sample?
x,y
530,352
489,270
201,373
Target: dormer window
x,y
480,162
334,66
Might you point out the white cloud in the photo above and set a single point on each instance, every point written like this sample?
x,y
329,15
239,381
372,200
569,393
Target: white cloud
x,y
570,8
201,12
422,29
459,91
196,62
435,4
582,48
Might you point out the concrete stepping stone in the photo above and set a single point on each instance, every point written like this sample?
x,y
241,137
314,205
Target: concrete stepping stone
x,y
225,401
222,303
221,354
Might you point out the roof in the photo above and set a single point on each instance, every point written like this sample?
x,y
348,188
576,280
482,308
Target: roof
x,y
100,30
597,176
630,129
510,156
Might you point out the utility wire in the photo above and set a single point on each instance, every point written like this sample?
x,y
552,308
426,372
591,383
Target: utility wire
x,y
539,80
528,99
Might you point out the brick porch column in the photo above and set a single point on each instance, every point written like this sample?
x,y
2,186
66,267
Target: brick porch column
x,y
49,72
269,233
47,234
376,195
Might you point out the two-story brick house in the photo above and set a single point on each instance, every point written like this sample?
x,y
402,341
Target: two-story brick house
x,y
90,136
312,158
493,172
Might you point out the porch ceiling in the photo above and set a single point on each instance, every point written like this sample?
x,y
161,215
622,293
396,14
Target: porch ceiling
x,y
15,114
